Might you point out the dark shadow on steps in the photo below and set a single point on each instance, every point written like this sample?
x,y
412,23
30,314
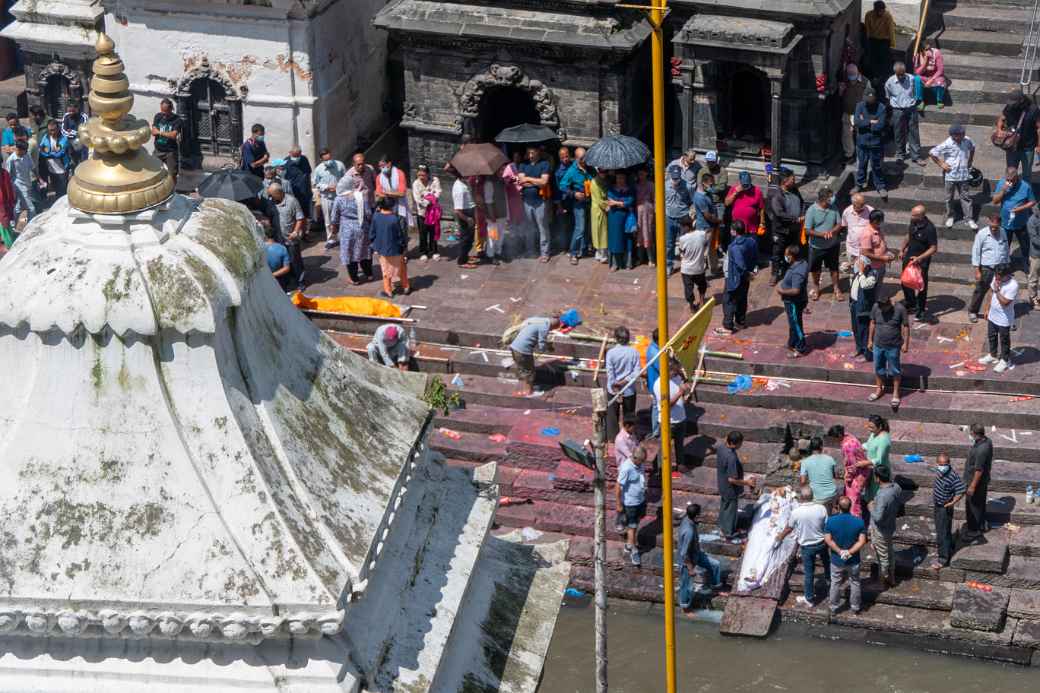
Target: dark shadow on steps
x,y
764,316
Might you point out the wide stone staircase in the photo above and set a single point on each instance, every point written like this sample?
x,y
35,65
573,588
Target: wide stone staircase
x,y
986,604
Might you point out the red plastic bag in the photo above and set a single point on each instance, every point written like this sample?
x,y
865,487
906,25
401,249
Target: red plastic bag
x,y
912,277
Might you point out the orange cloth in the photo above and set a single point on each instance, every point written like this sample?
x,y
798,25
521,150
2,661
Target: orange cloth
x,y
394,269
348,305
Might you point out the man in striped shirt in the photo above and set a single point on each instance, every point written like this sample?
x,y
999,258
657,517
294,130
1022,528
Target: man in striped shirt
x,y
946,494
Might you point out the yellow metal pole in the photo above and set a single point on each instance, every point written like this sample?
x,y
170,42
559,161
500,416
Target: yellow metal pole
x,y
657,47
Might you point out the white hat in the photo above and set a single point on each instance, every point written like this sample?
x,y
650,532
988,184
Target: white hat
x,y
711,156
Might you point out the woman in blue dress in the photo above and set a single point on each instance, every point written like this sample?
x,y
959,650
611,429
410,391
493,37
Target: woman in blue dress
x,y
350,218
621,217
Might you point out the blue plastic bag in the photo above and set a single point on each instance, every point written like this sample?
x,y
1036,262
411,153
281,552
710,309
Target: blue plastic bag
x,y
550,431
913,459
741,383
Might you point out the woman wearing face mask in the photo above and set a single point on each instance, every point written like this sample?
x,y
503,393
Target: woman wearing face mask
x,y
947,492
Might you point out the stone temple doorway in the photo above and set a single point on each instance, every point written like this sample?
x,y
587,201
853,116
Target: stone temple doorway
x,y
744,108
503,107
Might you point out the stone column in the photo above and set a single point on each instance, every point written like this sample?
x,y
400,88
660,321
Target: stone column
x,y
776,117
683,86
705,130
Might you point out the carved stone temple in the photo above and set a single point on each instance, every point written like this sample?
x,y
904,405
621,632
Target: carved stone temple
x,y
203,492
747,77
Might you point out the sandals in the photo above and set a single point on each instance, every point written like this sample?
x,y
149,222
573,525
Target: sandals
x,y
875,396
814,294
895,403
838,296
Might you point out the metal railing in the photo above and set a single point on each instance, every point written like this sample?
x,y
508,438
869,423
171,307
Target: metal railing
x,y
1031,47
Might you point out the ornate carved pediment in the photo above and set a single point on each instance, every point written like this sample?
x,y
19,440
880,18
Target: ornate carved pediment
x,y
508,76
207,71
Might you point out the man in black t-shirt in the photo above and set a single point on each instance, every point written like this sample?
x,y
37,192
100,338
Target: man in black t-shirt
x,y
920,245
889,336
166,129
1022,116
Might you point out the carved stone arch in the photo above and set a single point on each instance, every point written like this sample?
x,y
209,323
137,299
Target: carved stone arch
x,y
53,102
508,76
206,71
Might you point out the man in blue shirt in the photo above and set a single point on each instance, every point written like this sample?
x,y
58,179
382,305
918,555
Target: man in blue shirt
x,y
563,220
622,366
792,289
845,535
533,336
677,202
277,258
742,263
572,189
254,152
1015,197
534,178
8,137
693,556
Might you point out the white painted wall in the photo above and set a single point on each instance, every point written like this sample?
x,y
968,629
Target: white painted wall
x,y
317,80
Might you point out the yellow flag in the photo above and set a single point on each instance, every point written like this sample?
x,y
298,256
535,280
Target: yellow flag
x,y
686,343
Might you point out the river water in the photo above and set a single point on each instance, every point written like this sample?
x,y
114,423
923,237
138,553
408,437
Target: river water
x,y
787,661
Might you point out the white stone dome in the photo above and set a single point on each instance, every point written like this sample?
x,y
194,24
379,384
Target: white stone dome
x,y
183,451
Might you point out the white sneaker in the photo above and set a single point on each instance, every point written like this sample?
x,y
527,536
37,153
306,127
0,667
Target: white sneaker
x,y
949,222
436,256
972,225
1000,367
987,359
424,258
802,601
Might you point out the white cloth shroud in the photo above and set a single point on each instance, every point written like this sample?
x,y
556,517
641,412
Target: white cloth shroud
x,y
762,556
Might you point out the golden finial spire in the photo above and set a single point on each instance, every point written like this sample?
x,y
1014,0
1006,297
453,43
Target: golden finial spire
x,y
120,177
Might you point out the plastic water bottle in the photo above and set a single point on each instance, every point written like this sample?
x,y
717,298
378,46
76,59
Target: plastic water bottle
x,y
1029,493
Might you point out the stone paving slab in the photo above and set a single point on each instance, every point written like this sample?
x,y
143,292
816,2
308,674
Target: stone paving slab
x,y
1024,604
976,609
749,616
990,557
1028,634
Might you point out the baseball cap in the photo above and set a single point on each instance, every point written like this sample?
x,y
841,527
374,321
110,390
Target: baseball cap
x,y
712,156
745,179
674,172
391,335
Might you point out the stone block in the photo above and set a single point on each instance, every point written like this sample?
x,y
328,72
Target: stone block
x,y
1024,604
1025,542
975,609
748,616
990,557
1027,634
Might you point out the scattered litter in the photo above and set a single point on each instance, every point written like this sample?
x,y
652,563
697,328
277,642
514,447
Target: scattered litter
x,y
507,362
530,533
1011,527
495,307
906,527
457,381
484,354
714,536
848,366
506,501
993,428
773,384
960,373
550,431
974,584
913,459
921,325
1013,438
899,616
497,438
844,333
918,559
956,365
636,281
537,393
552,477
975,367
574,375
940,338
741,383
1022,398
573,593
448,433
676,475
451,238
463,276
514,299
1018,352
526,412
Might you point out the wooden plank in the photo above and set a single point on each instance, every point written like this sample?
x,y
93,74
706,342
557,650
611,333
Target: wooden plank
x,y
748,616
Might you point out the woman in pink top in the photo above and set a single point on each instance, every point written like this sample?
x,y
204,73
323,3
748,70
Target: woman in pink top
x,y
857,467
645,217
928,65
511,178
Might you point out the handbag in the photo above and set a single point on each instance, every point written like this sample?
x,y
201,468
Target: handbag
x,y
912,277
7,236
1008,141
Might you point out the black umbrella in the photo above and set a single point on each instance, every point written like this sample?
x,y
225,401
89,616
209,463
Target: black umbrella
x,y
526,132
231,184
615,152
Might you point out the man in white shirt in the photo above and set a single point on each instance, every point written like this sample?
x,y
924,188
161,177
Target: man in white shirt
x,y
465,218
955,156
324,179
23,172
807,521
854,220
676,394
1001,317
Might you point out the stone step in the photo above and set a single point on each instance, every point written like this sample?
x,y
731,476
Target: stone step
x,y
985,18
438,532
961,92
959,109
934,595
905,626
971,42
973,66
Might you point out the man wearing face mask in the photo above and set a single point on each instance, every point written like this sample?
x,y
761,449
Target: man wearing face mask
x,y
298,174
947,491
976,479
254,152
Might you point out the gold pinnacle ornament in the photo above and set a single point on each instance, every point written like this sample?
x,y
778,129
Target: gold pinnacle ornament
x,y
119,177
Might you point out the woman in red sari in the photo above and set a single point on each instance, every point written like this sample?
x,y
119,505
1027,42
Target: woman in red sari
x,y
857,468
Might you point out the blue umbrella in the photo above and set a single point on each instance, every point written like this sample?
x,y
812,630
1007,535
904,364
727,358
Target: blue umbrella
x,y
616,152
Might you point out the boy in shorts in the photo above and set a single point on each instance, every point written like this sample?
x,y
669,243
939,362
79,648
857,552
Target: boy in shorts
x,y
822,226
631,499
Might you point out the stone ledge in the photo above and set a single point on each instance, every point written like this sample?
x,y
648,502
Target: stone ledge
x,y
975,609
